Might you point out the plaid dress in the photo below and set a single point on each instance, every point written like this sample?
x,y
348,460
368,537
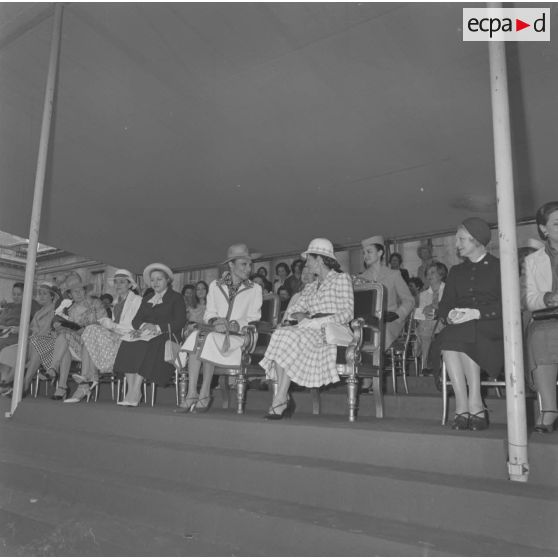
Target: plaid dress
x,y
302,352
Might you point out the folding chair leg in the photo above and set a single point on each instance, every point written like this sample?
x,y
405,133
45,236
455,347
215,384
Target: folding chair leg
x,y
404,374
153,388
37,381
444,394
352,397
378,396
316,401
393,372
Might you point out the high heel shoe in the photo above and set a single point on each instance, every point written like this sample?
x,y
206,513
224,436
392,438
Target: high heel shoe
x,y
546,428
478,421
187,405
287,412
60,393
460,422
196,408
81,392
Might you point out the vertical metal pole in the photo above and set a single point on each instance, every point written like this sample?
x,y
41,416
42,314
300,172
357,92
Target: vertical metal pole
x,y
40,174
518,466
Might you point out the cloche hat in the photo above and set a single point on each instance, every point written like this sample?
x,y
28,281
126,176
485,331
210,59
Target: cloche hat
x,y
321,247
128,275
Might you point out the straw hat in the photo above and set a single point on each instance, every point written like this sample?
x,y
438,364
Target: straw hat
x,y
372,240
50,287
238,251
321,247
156,267
128,275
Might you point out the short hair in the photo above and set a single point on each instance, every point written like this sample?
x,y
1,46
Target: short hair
x,y
260,268
440,267
417,281
18,285
298,261
543,214
188,287
330,263
107,296
284,266
398,256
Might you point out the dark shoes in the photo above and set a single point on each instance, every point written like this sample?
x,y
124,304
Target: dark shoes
x,y
287,412
468,421
546,428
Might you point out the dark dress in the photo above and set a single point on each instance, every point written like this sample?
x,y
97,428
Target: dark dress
x,y
473,285
147,357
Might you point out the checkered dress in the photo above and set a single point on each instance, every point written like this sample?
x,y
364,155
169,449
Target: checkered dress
x,y
304,355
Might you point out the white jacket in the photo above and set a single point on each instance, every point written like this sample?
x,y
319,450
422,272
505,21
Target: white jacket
x,y
131,307
536,280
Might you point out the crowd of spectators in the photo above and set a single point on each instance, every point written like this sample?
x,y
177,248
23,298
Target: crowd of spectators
x,y
458,317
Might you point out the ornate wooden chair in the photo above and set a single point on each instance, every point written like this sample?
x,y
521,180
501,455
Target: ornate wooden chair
x,y
364,357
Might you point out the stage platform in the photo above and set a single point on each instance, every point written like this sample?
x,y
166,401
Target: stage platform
x,y
99,479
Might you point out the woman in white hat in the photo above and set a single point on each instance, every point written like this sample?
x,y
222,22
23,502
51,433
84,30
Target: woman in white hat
x,y
48,296
233,301
101,341
84,311
143,357
299,353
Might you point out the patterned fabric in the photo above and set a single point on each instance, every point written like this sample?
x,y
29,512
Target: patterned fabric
x,y
82,313
226,279
302,352
102,346
44,345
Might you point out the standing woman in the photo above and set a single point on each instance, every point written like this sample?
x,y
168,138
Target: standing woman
x,y
541,291
144,356
299,353
471,306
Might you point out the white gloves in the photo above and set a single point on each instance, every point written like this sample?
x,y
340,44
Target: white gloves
x,y
462,315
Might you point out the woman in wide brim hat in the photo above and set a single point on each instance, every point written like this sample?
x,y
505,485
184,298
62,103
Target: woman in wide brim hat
x,y
100,342
144,358
472,340
84,311
299,353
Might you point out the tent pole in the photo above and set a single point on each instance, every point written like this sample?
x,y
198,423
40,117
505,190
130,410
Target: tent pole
x,y
40,174
518,465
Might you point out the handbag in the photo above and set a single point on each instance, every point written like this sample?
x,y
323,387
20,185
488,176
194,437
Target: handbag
x,y
171,348
337,334
546,313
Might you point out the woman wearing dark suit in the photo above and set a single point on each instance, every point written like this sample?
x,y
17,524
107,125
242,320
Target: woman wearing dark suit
x,y
143,356
472,308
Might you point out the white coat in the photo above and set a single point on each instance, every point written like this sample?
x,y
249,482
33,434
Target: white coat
x,y
244,308
537,280
130,309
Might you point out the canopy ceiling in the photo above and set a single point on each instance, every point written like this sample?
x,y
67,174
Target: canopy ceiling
x,y
182,128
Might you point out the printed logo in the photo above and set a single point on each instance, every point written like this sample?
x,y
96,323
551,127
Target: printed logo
x,y
506,24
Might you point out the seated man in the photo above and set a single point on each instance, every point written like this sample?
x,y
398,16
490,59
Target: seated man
x,y
233,301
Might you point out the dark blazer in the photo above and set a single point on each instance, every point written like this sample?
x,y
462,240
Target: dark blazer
x,y
171,311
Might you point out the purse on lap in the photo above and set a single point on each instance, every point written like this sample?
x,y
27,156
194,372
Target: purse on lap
x,y
171,348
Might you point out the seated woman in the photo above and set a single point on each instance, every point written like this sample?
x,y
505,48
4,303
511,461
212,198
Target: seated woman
x,y
471,306
541,291
400,301
143,357
427,309
48,297
100,342
67,347
233,301
299,353
195,305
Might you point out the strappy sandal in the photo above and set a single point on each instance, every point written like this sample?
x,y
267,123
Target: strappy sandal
x,y
203,408
287,412
478,421
188,405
